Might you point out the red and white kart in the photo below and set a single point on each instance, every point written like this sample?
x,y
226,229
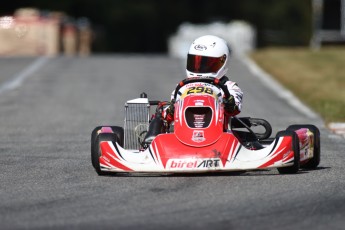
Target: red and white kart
x,y
201,138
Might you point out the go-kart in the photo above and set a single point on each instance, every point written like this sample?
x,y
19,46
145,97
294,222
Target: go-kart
x,y
200,138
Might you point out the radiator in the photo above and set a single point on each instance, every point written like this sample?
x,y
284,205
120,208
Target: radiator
x,y
137,115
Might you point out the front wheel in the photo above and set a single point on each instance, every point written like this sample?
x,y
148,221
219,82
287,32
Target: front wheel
x,y
93,141
119,132
96,151
295,147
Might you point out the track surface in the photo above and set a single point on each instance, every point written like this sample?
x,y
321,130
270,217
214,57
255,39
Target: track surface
x,y
47,180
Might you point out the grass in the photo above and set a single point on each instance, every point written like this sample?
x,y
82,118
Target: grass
x,y
316,77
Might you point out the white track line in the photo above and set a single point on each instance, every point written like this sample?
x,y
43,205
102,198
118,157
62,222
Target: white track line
x,y
282,92
18,79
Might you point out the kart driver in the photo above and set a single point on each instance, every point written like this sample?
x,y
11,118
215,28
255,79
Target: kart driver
x,y
207,57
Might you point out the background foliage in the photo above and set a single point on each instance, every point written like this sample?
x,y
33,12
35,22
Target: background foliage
x,y
316,77
145,25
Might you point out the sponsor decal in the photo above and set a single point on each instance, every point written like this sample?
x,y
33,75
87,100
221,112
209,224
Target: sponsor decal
x,y
106,158
212,163
198,135
197,89
193,163
200,90
199,102
286,154
200,47
199,121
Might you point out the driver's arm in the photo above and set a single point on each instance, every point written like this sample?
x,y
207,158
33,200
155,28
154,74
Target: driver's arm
x,y
233,105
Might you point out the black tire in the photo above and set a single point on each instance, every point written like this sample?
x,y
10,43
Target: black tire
x,y
315,161
93,140
295,146
119,133
95,152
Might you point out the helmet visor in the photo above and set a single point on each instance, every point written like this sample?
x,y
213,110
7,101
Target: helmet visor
x,y
202,64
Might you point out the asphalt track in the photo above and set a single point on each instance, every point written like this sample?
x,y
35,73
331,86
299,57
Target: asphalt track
x,y
47,181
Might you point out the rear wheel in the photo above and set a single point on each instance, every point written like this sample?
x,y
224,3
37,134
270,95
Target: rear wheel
x,y
295,147
315,161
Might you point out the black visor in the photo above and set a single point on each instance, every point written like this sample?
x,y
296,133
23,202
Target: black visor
x,y
202,64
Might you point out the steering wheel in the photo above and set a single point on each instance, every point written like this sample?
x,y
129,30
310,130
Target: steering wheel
x,y
210,80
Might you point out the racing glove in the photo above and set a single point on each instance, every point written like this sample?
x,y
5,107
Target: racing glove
x,y
229,104
170,112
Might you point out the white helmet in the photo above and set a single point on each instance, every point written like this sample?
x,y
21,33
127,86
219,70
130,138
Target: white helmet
x,y
207,57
